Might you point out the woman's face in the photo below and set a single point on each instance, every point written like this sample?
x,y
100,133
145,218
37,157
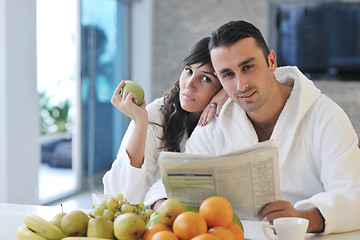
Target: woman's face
x,y
198,85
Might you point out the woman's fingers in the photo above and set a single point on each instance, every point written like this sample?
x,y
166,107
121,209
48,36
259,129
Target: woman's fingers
x,y
116,98
210,115
119,87
219,106
206,116
129,97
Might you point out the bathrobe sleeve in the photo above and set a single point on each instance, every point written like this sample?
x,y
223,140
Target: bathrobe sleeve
x,y
134,182
337,162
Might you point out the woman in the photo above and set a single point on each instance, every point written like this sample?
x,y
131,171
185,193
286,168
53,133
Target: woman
x,y
164,125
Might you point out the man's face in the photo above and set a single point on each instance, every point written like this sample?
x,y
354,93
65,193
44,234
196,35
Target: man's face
x,y
244,73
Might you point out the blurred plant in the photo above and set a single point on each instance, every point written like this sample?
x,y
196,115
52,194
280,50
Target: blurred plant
x,y
53,118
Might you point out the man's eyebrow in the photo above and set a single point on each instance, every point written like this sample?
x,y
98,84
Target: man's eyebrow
x,y
224,70
239,65
246,62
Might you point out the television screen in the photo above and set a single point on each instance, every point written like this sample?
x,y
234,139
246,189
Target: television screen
x,y
322,39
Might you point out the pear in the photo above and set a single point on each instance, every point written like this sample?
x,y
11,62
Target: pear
x,y
57,219
99,227
75,223
129,226
169,210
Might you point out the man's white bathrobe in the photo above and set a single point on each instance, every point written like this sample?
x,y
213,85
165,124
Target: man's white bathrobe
x,y
318,150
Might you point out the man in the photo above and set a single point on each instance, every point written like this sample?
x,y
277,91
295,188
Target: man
x,y
318,150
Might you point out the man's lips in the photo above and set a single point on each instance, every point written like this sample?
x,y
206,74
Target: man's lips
x,y
247,95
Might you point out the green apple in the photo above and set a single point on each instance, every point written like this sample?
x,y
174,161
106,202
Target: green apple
x,y
154,219
237,220
129,226
75,223
191,209
169,210
135,88
99,227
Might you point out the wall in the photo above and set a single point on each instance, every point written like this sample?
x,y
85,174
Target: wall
x,y
19,148
178,24
347,95
170,27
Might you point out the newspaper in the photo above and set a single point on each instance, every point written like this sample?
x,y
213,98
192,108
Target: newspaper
x,y
248,178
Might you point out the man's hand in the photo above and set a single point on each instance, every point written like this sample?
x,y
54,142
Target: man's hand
x,y
157,204
285,209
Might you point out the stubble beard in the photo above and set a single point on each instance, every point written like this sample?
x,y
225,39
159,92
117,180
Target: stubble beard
x,y
248,105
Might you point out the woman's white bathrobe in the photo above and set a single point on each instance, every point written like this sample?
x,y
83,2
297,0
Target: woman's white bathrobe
x,y
133,182
318,150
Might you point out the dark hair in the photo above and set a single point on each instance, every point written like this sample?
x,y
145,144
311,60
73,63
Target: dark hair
x,y
233,31
175,118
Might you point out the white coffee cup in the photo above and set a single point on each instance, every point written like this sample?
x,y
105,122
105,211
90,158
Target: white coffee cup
x,y
287,228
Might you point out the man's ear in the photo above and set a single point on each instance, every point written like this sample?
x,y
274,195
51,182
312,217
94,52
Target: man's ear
x,y
272,60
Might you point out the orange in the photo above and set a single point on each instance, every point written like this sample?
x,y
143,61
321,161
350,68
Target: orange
x,y
237,231
164,235
188,225
217,211
222,232
206,236
150,231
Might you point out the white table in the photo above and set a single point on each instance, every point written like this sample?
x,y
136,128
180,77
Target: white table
x,y
12,216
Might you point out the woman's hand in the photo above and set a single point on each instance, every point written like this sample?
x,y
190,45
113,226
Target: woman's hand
x,y
126,103
136,144
219,99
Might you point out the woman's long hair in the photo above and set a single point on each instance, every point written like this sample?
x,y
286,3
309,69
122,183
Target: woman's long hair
x,y
175,118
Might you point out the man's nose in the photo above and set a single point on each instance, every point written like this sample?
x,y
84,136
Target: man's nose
x,y
242,83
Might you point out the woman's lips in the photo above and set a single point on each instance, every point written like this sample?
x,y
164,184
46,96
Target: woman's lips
x,y
188,97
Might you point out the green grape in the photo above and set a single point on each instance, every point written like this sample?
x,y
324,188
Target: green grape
x,y
111,203
141,206
103,203
149,212
127,208
117,213
108,214
98,211
144,217
119,197
120,203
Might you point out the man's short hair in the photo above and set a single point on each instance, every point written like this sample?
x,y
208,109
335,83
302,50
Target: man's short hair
x,y
233,31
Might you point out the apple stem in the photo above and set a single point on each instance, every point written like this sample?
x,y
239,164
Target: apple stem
x,y
62,208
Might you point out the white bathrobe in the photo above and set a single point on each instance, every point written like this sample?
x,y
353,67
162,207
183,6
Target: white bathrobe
x,y
134,182
318,150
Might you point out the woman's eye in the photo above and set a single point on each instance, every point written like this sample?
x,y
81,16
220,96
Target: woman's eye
x,y
188,70
206,79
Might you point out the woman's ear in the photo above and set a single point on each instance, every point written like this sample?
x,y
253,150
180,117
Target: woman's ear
x,y
272,61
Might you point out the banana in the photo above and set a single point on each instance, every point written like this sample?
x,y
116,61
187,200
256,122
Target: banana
x,y
24,233
43,227
85,238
